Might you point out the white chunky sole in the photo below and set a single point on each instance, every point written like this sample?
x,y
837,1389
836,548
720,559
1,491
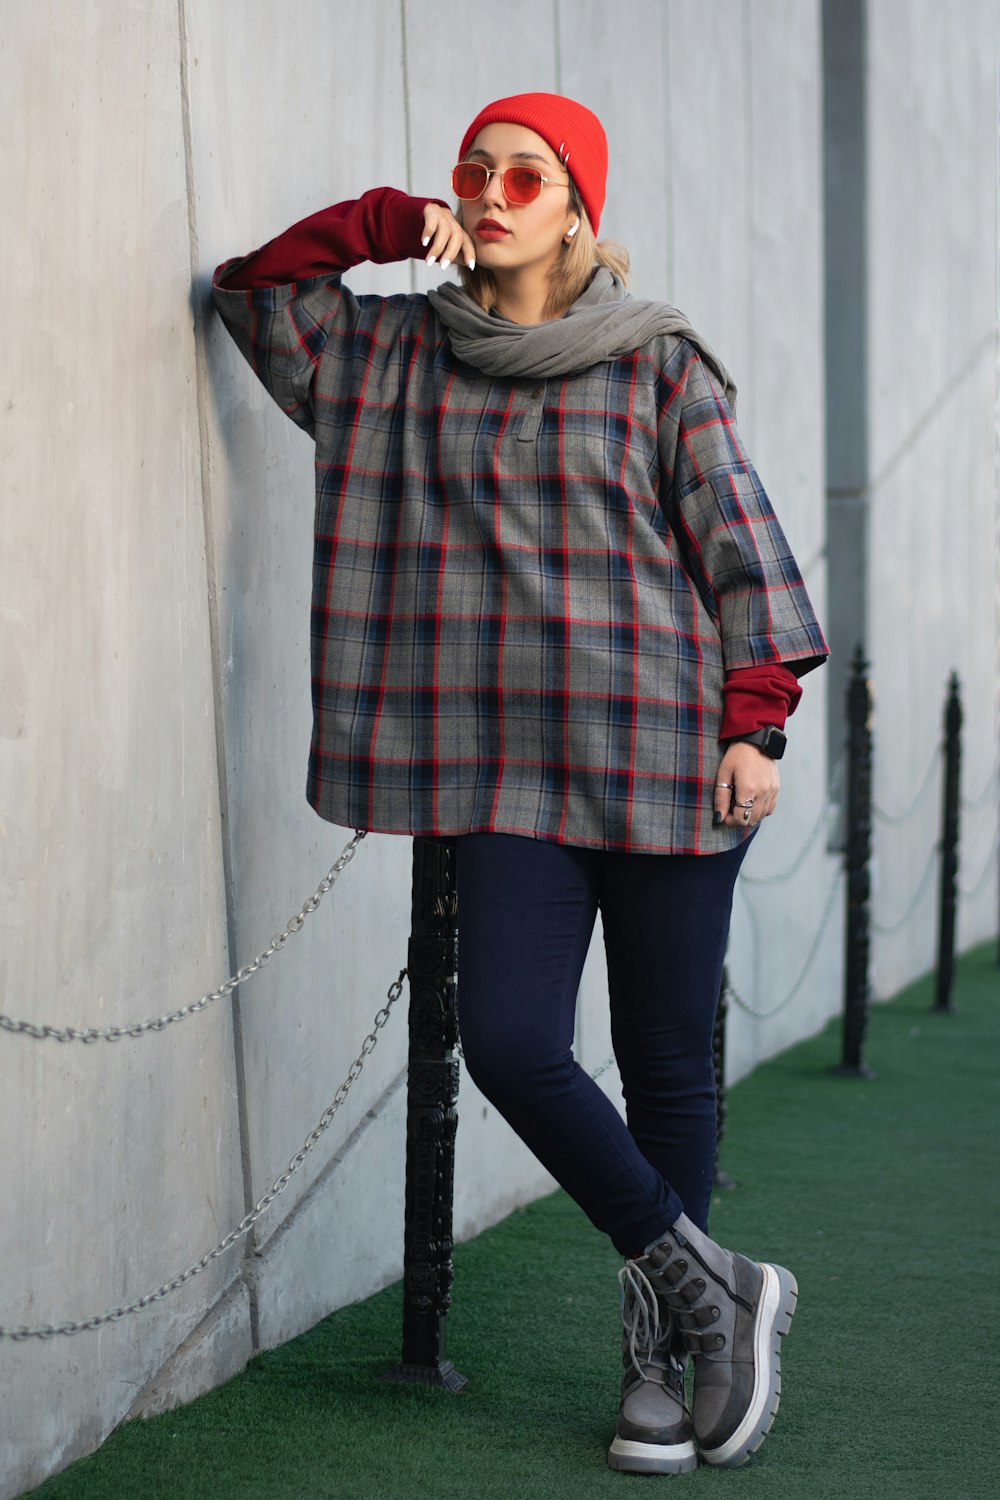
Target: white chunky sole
x,y
652,1458
774,1317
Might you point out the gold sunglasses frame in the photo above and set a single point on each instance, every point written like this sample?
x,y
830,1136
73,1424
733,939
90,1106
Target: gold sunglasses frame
x,y
495,172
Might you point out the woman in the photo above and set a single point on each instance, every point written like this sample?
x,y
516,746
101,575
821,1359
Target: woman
x,y
555,619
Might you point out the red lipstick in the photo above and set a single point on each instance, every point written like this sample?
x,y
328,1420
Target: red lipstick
x,y
489,229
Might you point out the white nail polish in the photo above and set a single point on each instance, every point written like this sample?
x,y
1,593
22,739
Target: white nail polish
x,y
472,265
445,264
432,260
426,240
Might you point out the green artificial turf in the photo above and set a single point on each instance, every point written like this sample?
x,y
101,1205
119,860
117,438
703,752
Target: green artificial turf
x,y
880,1195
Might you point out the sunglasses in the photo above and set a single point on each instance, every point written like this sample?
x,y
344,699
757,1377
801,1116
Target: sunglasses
x,y
518,184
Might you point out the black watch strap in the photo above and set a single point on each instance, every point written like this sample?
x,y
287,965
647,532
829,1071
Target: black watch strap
x,y
771,740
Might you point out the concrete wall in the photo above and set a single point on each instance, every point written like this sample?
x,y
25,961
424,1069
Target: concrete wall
x,y
154,717
742,127
122,1163
913,470
932,362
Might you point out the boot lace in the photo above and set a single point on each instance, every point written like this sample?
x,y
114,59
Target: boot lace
x,y
646,1334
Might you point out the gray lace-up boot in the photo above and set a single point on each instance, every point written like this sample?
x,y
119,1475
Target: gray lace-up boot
x,y
731,1314
654,1433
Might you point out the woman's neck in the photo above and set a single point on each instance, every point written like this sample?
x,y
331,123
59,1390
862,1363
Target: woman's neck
x,y
522,297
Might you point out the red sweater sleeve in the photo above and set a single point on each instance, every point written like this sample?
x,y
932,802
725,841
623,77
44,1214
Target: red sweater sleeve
x,y
382,225
755,696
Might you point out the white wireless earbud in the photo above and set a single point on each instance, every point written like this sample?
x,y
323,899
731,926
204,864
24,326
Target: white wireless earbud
x,y
570,232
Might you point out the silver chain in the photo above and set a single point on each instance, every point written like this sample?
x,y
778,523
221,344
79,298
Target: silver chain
x,y
141,1028
973,889
894,819
973,804
765,1015
50,1330
810,843
887,928
798,861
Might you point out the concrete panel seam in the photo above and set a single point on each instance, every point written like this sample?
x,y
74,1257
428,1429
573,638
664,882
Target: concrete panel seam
x,y
845,234
267,1247
202,1329
211,568
859,494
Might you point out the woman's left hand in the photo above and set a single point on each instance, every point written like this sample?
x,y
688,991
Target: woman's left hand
x,y
444,239
746,787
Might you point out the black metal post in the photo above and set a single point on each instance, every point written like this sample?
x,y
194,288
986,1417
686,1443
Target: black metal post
x,y
722,1180
431,1120
859,839
948,897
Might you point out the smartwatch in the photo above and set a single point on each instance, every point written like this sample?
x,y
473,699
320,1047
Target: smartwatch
x,y
771,740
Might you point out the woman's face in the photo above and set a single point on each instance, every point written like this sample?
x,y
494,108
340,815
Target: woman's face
x,y
517,236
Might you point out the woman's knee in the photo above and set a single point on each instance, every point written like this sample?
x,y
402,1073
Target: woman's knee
x,y
665,1051
492,1055
509,1068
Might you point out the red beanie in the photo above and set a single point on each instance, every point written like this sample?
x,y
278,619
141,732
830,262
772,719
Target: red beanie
x,y
574,132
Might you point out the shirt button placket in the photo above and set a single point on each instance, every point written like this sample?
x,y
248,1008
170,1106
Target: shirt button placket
x,y
531,422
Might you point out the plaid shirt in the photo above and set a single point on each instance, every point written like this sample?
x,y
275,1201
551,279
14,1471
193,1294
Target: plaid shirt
x,y
526,593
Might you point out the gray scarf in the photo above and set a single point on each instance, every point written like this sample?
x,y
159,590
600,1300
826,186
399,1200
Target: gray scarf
x,y
602,324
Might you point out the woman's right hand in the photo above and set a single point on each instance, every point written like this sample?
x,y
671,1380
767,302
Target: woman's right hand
x,y
445,239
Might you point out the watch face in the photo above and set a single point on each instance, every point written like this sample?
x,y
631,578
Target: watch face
x,y
774,742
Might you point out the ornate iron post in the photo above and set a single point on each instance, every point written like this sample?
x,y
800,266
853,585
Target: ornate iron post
x,y
431,1120
722,1180
948,898
859,840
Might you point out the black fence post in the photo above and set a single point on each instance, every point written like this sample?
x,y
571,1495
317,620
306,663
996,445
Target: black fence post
x,y
722,1180
948,899
859,841
431,1120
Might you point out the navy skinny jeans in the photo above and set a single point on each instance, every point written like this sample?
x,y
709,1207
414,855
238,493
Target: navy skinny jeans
x,y
526,915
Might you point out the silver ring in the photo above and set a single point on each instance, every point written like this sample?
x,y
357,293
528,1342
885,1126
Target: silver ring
x,y
723,786
746,804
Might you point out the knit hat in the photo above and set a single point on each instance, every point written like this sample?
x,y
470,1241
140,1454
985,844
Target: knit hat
x,y
574,132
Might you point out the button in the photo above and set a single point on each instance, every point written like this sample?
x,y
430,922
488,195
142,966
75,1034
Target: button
x,y
536,391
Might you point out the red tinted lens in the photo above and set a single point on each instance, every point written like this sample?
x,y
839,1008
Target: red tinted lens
x,y
469,179
522,184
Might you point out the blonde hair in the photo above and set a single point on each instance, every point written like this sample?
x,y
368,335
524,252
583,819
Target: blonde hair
x,y
569,277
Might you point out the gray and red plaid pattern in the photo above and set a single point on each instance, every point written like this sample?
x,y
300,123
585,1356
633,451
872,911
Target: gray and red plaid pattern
x,y
526,594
